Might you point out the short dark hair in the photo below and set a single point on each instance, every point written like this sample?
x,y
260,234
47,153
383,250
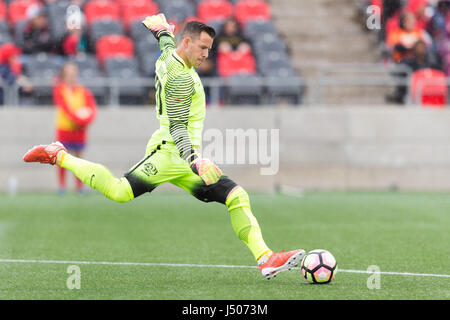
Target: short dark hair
x,y
195,28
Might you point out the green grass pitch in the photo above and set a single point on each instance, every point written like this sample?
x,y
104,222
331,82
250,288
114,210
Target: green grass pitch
x,y
398,232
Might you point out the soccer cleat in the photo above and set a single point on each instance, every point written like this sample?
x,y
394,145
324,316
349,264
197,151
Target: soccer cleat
x,y
282,261
44,153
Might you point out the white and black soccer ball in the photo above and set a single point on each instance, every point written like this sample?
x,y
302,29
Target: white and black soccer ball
x,y
319,266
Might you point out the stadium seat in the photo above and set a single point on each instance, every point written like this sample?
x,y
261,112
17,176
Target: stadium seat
x,y
429,88
217,25
243,89
272,62
101,9
112,46
55,11
88,71
2,11
104,27
235,62
266,43
17,10
4,26
214,10
137,10
147,51
177,10
248,10
44,68
122,69
284,83
87,63
4,38
43,65
415,5
18,33
138,31
378,3
256,28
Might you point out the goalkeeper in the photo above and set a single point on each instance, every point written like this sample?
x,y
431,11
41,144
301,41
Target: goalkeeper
x,y
172,151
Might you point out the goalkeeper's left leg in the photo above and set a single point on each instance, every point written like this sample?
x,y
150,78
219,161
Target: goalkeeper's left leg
x,y
237,201
243,221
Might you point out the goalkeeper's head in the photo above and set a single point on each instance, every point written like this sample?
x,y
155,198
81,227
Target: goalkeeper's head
x,y
195,42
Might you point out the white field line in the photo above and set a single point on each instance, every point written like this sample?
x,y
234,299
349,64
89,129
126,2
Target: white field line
x,y
187,265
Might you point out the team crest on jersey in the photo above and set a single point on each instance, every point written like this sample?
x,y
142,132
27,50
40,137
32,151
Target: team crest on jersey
x,y
149,169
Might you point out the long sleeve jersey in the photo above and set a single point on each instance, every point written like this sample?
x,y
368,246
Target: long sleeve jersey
x,y
180,101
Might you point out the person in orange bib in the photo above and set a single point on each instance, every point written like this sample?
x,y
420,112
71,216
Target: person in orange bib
x,y
76,109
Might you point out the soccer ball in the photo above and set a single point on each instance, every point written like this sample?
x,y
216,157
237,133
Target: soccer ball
x,y
319,266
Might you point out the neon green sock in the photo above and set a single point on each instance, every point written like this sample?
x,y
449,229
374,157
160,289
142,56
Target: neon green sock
x,y
98,177
244,223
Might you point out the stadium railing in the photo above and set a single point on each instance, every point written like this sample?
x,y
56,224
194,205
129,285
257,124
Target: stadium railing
x,y
356,75
117,86
309,91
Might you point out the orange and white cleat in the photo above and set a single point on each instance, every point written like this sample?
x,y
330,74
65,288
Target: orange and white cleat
x,y
44,153
282,261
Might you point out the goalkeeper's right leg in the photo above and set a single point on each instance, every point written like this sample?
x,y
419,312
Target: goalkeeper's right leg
x,y
94,175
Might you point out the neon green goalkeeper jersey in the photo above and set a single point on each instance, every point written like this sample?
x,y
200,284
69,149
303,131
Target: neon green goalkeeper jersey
x,y
180,101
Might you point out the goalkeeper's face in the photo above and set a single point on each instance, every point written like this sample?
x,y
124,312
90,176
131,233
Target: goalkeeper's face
x,y
197,49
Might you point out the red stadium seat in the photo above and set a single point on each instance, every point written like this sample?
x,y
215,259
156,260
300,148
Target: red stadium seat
x,y
214,10
378,3
247,10
101,9
114,46
429,88
235,62
416,5
137,10
2,11
18,10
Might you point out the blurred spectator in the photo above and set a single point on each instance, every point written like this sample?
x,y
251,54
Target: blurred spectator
x,y
37,36
74,41
75,2
11,69
230,38
418,7
436,26
390,8
421,58
76,109
402,39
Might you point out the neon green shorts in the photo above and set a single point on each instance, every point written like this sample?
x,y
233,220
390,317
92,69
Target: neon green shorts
x,y
163,164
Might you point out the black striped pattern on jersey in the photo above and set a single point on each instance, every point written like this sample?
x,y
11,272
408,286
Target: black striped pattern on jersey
x,y
178,92
166,42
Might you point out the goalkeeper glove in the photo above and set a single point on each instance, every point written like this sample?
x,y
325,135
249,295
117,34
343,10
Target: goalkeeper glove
x,y
158,25
206,169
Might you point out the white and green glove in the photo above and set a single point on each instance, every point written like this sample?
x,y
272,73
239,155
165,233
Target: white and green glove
x,y
158,25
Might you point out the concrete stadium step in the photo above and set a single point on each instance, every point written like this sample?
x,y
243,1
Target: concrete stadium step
x,y
325,33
